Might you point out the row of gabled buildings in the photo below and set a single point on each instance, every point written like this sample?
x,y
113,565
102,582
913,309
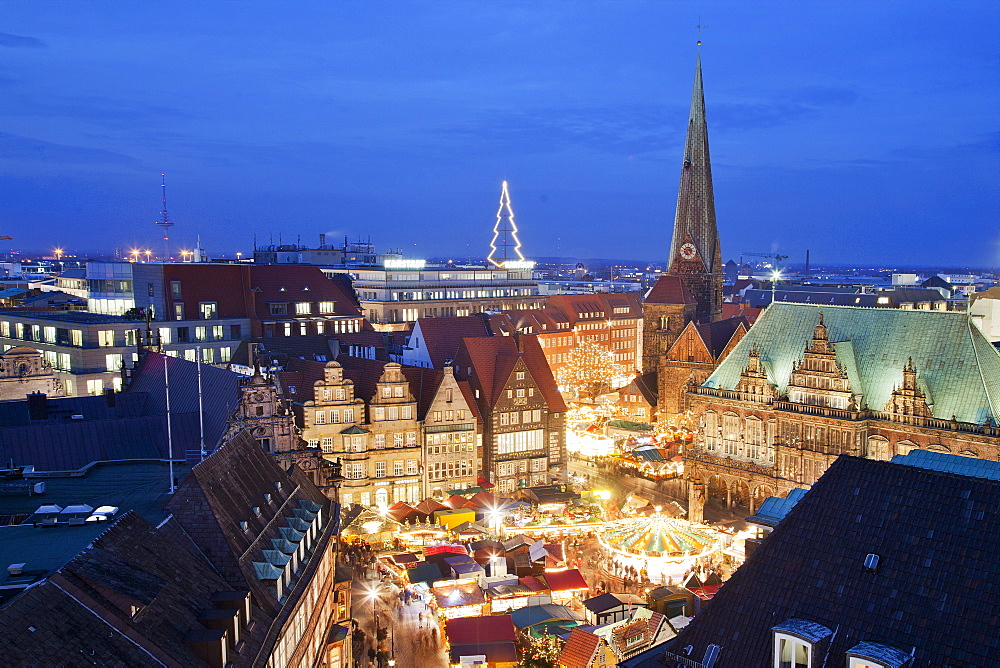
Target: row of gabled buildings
x,y
490,415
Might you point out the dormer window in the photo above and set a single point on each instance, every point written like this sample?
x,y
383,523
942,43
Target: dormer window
x,y
876,655
791,652
795,643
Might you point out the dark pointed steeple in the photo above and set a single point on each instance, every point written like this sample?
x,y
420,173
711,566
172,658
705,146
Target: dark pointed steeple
x,y
694,248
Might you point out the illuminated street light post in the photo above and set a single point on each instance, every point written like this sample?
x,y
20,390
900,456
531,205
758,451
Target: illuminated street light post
x,y
135,255
148,253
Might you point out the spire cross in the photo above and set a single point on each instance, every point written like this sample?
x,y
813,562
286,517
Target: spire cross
x,y
700,28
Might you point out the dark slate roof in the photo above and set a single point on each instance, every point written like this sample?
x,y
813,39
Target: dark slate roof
x,y
939,461
279,350
83,610
934,592
759,298
719,333
220,395
130,429
610,600
912,295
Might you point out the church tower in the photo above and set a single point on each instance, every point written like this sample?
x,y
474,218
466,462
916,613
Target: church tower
x,y
695,255
692,287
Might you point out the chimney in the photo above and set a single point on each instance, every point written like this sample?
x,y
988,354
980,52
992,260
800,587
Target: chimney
x,y
109,397
807,261
520,342
322,241
38,406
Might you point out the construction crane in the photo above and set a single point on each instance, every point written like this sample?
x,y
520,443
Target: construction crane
x,y
775,256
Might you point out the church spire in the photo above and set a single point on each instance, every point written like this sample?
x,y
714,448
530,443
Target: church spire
x,y
694,248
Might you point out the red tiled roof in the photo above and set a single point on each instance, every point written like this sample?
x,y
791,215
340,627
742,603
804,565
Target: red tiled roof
x,y
443,336
669,289
495,628
568,580
736,310
494,358
579,650
267,281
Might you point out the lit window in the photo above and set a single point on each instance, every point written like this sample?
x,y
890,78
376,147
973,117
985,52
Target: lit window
x,y
106,338
327,307
208,310
303,308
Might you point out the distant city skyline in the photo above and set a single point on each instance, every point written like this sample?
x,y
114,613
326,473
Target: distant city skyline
x,y
866,133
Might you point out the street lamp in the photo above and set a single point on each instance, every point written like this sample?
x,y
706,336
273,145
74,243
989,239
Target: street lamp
x,y
373,593
775,277
239,256
184,255
148,253
135,254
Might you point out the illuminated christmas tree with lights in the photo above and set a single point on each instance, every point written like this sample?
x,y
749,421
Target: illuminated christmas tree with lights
x,y
589,369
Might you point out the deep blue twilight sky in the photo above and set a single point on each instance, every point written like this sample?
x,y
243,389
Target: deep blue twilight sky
x,y
864,131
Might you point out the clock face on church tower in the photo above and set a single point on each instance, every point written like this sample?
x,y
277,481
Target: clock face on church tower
x,y
688,251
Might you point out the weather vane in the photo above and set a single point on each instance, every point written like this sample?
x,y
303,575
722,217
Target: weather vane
x,y
700,28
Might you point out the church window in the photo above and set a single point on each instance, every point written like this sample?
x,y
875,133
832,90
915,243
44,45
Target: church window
x,y
664,321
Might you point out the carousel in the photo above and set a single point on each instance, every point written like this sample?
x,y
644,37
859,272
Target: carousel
x,y
661,547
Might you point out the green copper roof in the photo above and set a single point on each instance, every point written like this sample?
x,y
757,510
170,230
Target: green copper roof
x,y
957,367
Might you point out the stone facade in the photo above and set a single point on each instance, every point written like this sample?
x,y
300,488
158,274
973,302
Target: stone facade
x,y
752,442
452,440
23,371
263,412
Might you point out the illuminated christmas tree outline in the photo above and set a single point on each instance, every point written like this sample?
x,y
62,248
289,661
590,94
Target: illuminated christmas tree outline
x,y
505,213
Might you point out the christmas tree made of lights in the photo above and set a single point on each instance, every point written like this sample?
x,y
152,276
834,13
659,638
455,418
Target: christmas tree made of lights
x,y
505,243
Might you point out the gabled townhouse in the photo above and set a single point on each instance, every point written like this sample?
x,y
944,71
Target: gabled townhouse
x,y
524,439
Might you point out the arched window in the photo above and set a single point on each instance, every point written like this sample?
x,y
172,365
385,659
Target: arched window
x,y
904,447
382,498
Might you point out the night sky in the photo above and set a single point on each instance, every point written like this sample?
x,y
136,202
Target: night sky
x,y
864,131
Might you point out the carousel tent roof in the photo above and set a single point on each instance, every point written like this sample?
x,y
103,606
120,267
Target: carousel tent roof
x,y
367,519
658,535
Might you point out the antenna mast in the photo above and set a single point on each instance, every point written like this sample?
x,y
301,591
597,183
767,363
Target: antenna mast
x,y
165,223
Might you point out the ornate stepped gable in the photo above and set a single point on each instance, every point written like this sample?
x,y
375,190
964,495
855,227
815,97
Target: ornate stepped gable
x,y
754,380
908,399
819,379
